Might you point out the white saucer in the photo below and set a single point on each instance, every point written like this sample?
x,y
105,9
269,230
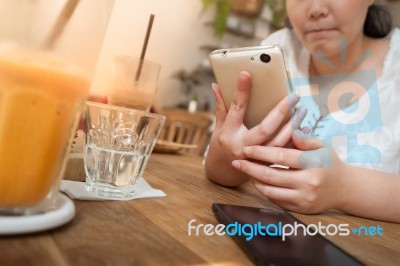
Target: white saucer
x,y
63,213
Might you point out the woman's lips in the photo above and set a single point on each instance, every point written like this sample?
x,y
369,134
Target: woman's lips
x,y
320,31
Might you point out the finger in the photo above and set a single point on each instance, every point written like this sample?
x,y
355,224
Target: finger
x,y
306,130
220,109
267,128
279,195
285,134
317,153
265,174
283,137
306,142
240,101
292,158
274,155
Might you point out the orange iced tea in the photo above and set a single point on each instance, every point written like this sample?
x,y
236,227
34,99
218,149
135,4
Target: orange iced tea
x,y
40,100
135,98
131,88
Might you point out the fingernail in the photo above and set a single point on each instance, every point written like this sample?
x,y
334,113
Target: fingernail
x,y
293,99
301,113
236,164
306,130
216,91
300,134
244,76
247,150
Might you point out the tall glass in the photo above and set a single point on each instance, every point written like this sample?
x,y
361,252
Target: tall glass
x,y
48,53
134,82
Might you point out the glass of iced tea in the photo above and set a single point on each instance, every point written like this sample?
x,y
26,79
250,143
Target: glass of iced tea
x,y
48,53
133,82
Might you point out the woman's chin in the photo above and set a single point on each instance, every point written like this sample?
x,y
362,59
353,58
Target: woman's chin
x,y
325,49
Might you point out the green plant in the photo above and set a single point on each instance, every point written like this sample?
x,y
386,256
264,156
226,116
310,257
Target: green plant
x,y
223,8
278,13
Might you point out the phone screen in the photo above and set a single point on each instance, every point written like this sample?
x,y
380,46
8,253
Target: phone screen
x,y
297,249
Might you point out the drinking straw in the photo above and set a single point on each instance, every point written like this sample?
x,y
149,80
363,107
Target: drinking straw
x,y
146,40
62,20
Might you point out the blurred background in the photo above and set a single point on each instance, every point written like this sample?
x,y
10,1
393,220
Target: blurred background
x,y
183,34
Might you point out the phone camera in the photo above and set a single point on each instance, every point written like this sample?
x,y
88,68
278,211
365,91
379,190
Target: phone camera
x,y
266,58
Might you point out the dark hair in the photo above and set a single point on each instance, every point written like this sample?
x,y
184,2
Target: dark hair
x,y
378,22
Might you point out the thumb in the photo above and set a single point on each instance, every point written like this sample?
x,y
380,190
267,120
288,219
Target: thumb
x,y
306,142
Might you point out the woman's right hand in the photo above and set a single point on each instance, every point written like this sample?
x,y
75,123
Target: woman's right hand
x,y
230,135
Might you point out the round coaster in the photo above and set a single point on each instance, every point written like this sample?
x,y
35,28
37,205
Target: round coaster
x,y
63,213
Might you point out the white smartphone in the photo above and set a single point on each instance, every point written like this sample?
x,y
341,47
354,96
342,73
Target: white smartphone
x,y
270,77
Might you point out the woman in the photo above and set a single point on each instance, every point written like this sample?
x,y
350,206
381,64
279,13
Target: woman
x,y
331,42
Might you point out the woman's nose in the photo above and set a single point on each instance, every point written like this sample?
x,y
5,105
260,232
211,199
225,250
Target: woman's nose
x,y
318,9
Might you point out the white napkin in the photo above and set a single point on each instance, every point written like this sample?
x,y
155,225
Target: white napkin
x,y
76,190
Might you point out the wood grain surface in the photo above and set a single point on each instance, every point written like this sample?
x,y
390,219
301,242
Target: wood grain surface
x,y
155,231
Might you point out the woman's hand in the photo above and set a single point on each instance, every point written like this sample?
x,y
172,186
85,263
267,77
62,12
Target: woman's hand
x,y
230,136
315,180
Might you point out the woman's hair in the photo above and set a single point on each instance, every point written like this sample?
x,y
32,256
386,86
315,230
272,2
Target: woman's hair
x,y
378,22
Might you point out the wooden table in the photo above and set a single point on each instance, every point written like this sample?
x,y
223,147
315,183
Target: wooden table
x,y
155,231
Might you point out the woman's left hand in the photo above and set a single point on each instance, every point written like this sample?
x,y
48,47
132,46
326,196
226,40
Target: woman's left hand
x,y
313,182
